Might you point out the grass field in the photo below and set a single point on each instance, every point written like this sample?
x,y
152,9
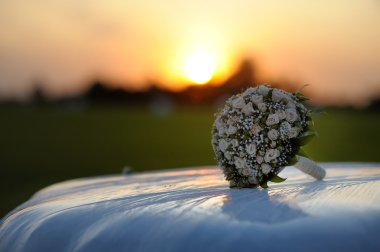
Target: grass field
x,y
40,146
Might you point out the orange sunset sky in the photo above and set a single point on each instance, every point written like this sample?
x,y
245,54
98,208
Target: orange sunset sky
x,y
332,45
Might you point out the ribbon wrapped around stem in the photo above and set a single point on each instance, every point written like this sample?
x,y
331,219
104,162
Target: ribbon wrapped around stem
x,y
310,167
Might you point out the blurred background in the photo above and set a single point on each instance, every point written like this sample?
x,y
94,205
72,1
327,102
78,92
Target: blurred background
x,y
94,87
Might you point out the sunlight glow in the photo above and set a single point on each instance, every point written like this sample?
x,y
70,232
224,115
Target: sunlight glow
x,y
200,67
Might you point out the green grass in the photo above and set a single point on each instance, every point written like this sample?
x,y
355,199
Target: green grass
x,y
41,146
346,135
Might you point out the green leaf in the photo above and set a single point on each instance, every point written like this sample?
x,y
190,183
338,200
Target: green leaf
x,y
302,153
317,110
277,179
301,88
311,126
301,97
293,161
305,139
264,184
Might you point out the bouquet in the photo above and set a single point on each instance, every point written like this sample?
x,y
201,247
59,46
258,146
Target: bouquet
x,y
258,133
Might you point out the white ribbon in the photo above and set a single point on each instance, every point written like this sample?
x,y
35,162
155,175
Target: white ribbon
x,y
310,167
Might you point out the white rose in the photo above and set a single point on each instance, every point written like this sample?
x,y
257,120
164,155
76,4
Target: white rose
x,y
232,120
291,115
263,90
271,154
293,132
259,159
272,119
228,155
257,99
250,148
248,109
234,142
273,134
252,180
220,126
278,95
219,123
285,126
239,162
221,131
281,114
231,130
223,145
246,172
238,102
256,129
266,168
262,107
249,91
288,98
290,105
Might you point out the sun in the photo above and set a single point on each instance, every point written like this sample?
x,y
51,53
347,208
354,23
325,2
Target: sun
x,y
200,67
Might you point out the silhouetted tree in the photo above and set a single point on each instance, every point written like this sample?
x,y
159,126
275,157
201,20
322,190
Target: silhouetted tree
x,y
241,79
38,95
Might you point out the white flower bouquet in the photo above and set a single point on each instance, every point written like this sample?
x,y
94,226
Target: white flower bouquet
x,y
259,132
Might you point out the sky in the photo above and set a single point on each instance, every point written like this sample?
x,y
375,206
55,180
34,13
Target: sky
x,y
332,45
